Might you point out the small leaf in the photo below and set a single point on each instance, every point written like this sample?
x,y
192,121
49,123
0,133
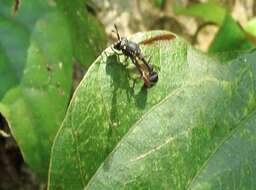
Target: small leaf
x,y
230,37
159,3
208,12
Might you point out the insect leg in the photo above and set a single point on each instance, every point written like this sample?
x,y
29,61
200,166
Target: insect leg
x,y
143,75
134,61
147,64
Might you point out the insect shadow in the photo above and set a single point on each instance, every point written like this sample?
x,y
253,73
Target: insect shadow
x,y
121,79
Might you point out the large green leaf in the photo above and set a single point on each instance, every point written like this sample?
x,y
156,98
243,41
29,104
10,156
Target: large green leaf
x,y
103,109
162,137
201,135
36,51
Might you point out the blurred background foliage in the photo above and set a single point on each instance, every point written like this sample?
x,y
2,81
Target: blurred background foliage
x,y
200,22
211,26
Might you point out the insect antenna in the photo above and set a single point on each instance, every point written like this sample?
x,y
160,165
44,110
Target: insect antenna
x,y
117,33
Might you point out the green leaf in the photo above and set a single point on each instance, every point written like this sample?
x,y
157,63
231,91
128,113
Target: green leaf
x,y
159,3
230,37
37,47
36,62
194,148
198,129
104,108
201,136
160,137
208,12
232,161
88,34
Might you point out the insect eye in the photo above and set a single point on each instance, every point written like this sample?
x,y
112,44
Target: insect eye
x,y
153,77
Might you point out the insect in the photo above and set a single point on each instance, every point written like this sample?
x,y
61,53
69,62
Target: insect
x,y
132,50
